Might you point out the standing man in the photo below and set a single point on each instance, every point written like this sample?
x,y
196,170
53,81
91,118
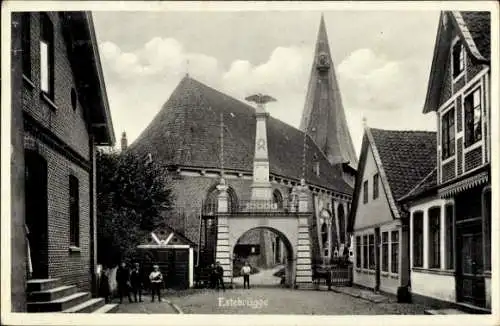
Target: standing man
x,y
213,276
136,280
123,281
245,271
156,280
220,274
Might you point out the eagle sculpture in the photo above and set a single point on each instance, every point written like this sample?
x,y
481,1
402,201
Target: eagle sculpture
x,y
260,98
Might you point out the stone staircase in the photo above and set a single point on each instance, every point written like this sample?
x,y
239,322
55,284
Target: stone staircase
x,y
303,271
49,295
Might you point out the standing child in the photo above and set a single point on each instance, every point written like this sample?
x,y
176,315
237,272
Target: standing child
x,y
156,280
245,271
136,281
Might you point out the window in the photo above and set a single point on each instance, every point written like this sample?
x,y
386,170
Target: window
x,y
434,237
472,106
371,258
358,252
375,186
47,56
365,251
365,192
448,133
418,239
385,251
449,237
26,44
395,252
278,199
458,59
324,235
74,212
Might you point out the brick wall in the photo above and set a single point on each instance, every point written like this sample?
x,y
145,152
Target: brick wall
x,y
72,268
68,125
64,122
446,90
448,171
473,158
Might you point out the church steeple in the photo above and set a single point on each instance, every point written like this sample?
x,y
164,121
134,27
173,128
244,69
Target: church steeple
x,y
323,117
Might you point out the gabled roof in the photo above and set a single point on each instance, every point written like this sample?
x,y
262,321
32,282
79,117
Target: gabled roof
x,y
473,27
79,35
403,159
323,117
166,235
186,133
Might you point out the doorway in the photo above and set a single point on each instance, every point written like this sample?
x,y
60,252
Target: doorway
x,y
37,212
470,278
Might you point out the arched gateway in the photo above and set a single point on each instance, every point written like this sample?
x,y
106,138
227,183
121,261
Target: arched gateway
x,y
261,211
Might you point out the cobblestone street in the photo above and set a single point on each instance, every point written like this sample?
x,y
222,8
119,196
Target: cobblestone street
x,y
269,301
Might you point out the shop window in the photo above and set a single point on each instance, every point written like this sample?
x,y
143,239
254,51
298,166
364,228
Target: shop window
x,y
418,239
385,251
358,251
365,252
434,237
487,229
371,259
395,252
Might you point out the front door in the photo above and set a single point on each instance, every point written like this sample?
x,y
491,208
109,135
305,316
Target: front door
x,y
37,212
470,278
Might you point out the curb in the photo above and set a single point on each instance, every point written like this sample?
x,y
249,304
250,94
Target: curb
x,y
175,307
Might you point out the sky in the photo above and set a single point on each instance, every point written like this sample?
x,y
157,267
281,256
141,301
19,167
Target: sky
x,y
382,60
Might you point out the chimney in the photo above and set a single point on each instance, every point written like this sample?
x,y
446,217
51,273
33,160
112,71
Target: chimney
x,y
124,141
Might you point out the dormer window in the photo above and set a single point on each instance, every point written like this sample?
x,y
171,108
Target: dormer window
x,y
458,58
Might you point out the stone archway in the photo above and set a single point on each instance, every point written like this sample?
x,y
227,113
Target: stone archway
x,y
292,228
289,262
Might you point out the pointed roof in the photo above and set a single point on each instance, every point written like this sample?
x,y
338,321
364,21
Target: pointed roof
x,y
186,133
404,160
473,27
323,117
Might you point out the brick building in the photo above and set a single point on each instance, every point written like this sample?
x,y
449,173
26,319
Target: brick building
x,y
186,136
450,212
60,114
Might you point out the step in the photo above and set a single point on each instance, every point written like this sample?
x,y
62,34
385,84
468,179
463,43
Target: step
x,y
449,311
107,309
42,284
52,294
472,309
59,304
87,306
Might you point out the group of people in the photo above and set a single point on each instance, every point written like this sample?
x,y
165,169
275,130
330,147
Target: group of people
x,y
133,281
217,276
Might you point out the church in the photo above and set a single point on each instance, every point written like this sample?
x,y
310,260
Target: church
x,y
201,135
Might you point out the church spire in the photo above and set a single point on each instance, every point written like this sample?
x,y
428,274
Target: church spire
x,y
323,117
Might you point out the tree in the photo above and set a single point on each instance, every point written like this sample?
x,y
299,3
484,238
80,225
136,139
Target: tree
x,y
133,195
